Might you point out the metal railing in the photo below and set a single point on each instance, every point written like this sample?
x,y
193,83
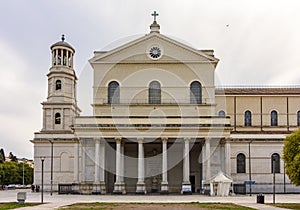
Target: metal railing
x,y
65,189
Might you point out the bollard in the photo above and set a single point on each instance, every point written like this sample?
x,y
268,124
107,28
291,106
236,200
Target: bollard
x,y
260,199
21,197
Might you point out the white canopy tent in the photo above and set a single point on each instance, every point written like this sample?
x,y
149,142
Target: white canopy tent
x,y
220,185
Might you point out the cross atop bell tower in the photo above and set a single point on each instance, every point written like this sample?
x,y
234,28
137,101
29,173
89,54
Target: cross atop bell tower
x,y
154,27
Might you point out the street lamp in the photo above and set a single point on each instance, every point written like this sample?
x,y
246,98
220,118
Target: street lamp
x,y
42,192
23,160
51,168
250,178
274,161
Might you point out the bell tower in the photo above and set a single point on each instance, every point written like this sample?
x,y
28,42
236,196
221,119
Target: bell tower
x,y
60,108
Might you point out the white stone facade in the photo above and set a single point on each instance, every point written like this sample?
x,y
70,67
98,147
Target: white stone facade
x,y
157,125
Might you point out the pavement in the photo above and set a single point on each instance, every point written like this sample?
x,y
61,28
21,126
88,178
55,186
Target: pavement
x,y
55,201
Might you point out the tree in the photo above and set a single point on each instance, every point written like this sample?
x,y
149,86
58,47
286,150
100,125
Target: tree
x,y
2,156
13,157
12,173
291,156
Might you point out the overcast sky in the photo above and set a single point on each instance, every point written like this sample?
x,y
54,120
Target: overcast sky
x,y
257,42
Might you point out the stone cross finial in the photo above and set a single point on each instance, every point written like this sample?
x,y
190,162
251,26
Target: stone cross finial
x,y
154,15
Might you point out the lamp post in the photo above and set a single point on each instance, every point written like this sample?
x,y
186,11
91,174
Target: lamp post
x,y
274,161
23,171
42,191
284,181
250,178
51,168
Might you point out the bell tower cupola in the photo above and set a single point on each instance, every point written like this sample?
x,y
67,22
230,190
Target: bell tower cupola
x,y
62,54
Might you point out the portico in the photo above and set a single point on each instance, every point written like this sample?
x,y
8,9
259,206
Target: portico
x,y
146,164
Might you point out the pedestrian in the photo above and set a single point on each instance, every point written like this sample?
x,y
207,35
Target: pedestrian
x,y
32,188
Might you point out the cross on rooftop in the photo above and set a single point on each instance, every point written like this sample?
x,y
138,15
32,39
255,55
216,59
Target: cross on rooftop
x,y
154,15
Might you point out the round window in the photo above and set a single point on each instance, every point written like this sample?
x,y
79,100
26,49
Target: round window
x,y
155,52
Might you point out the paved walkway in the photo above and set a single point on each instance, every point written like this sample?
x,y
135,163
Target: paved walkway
x,y
55,201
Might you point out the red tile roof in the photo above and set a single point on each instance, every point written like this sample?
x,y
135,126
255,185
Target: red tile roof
x,y
243,90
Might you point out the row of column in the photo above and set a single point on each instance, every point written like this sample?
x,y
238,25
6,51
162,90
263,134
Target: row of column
x,y
119,185
62,57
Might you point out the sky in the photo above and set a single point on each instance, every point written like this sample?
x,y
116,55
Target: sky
x,y
257,42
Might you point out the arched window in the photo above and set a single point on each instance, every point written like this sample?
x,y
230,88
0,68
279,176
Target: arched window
x,y
221,113
113,93
195,93
241,163
275,163
248,118
57,118
154,96
274,118
298,118
58,85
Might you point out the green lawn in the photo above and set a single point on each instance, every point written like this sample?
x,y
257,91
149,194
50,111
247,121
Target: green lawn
x,y
150,206
286,205
14,205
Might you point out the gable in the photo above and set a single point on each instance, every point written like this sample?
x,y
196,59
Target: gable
x,y
137,51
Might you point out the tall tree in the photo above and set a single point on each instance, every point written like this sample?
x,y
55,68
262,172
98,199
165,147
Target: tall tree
x,y
13,157
12,173
291,156
2,155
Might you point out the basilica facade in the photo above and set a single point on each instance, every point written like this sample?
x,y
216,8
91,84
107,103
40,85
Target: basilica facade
x,y
160,125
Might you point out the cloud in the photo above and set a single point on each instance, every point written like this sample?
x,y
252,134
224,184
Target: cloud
x,y
260,46
19,113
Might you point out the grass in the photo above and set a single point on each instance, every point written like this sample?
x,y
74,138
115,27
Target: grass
x,y
222,206
286,205
14,205
158,206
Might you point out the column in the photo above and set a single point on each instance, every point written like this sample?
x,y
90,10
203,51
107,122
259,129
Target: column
x,y
61,57
76,162
67,57
207,157
53,58
97,169
56,57
122,168
164,183
140,186
83,162
207,169
102,167
186,185
71,60
118,185
227,158
96,185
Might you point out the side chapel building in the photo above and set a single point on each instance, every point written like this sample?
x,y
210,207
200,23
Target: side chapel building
x,y
160,124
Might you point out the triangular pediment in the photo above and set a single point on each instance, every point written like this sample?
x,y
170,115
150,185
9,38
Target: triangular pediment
x,y
137,51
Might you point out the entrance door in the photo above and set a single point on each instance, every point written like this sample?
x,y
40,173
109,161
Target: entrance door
x,y
193,182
